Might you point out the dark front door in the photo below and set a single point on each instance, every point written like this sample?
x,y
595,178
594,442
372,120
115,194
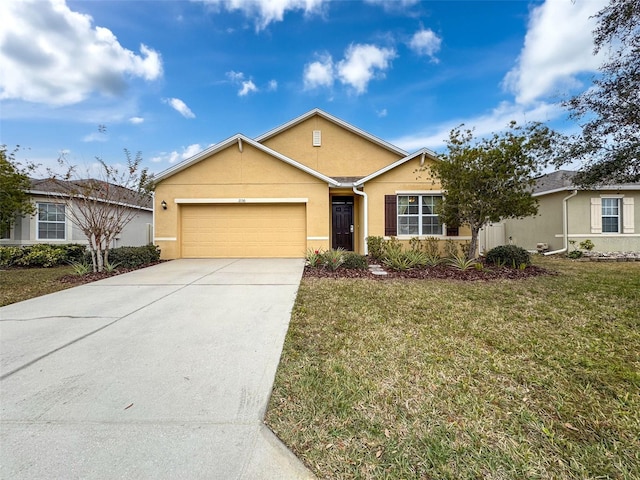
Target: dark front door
x,y
342,223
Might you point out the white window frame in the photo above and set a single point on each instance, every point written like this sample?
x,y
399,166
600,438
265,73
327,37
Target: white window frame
x,y
618,215
63,222
420,215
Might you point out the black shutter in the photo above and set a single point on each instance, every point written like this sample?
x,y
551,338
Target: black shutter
x,y
390,216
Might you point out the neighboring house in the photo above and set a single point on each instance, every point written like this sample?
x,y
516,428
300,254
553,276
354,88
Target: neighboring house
x,y
51,223
315,182
607,215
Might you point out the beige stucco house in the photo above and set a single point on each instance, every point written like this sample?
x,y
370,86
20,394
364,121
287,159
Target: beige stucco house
x,y
607,215
315,182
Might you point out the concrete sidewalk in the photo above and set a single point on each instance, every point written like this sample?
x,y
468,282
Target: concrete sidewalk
x,y
163,372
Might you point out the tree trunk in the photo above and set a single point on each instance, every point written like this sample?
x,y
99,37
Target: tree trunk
x,y
473,245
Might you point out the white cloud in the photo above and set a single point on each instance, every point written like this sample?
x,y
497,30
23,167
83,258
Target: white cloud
x,y
426,43
136,120
557,47
95,137
180,107
53,55
235,76
247,87
175,156
319,73
272,86
362,63
494,121
382,113
264,12
393,5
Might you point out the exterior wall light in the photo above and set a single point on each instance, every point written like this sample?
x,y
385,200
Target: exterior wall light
x,y
164,205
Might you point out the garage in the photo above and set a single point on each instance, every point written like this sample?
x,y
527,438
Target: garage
x,y
243,230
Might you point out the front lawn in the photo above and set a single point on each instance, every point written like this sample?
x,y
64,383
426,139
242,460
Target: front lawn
x,y
20,284
442,379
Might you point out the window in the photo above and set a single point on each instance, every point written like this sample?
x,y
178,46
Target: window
x,y
417,215
610,215
51,221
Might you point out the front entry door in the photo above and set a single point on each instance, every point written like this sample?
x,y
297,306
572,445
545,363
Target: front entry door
x,y
342,223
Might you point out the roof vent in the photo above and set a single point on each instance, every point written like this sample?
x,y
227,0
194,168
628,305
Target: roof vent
x,y
317,138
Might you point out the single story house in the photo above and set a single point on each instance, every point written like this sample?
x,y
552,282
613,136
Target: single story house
x,y
606,215
315,182
51,222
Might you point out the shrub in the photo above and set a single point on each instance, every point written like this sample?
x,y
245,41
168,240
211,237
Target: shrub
x,y
314,257
10,255
587,245
391,247
450,249
42,255
74,252
461,262
132,257
415,244
397,260
509,255
332,259
354,261
574,254
375,246
432,248
416,258
80,268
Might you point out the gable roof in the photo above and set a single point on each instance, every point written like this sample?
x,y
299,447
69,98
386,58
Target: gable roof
x,y
335,120
423,153
562,180
240,139
66,188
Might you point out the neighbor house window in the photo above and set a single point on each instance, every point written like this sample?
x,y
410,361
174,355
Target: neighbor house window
x,y
417,215
51,221
610,215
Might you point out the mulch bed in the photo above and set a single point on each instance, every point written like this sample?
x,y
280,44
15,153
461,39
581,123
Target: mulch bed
x,y
94,276
441,272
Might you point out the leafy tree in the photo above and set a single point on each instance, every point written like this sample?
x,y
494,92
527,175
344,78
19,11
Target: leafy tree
x,y
489,179
14,183
610,140
101,206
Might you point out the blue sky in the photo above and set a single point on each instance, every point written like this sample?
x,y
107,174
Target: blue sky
x,y
170,78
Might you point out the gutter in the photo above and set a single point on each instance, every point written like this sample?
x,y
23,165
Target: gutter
x,y
565,226
365,229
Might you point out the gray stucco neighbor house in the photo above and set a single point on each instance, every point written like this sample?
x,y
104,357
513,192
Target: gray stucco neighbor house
x,y
608,215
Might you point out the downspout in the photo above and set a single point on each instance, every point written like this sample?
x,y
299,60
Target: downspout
x,y
565,226
153,218
365,229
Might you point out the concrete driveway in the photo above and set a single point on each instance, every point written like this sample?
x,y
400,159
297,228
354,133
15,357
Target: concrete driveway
x,y
160,373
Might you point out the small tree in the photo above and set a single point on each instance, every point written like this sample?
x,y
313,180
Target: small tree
x,y
14,184
490,179
102,206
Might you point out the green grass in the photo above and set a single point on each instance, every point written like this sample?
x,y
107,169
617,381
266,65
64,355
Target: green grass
x,y
25,283
421,379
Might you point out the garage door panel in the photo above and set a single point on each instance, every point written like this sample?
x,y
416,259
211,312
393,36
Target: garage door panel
x,y
218,231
